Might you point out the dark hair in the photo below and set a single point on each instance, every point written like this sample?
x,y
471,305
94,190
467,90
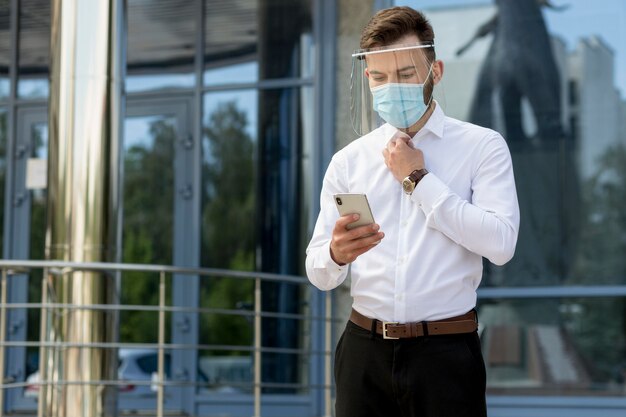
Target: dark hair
x,y
389,25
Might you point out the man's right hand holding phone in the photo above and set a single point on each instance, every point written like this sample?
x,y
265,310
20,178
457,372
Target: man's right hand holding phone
x,y
347,245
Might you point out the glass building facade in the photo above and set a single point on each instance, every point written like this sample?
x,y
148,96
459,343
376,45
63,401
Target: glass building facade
x,y
551,78
232,112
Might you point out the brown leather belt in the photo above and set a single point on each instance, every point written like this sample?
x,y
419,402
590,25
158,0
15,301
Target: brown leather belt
x,y
465,323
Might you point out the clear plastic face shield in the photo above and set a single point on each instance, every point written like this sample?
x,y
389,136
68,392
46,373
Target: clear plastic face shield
x,y
392,84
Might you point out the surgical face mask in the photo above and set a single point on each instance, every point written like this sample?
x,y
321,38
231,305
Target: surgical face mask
x,y
400,105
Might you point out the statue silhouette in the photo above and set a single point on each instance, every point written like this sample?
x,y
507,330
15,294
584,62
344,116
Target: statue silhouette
x,y
520,65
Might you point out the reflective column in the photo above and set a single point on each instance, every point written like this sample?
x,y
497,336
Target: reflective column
x,y
85,107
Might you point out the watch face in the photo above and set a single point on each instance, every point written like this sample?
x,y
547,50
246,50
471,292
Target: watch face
x,y
408,185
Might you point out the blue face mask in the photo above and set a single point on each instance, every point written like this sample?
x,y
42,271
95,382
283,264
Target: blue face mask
x,y
400,105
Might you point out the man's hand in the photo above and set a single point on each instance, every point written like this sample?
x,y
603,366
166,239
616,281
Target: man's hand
x,y
347,245
401,157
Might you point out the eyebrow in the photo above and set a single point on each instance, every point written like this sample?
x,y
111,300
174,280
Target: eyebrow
x,y
408,67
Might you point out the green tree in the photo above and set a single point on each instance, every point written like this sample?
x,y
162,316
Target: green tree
x,y
148,222
228,223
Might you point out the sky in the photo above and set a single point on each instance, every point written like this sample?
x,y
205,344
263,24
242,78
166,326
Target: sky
x,y
582,18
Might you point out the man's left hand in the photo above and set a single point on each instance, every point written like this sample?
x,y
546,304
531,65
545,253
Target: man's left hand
x,y
401,157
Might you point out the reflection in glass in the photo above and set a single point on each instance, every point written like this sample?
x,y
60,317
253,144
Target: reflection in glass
x,y
285,144
39,146
571,346
285,38
600,256
38,203
232,74
229,195
229,216
283,114
161,38
138,83
225,372
230,50
34,48
4,86
561,110
147,232
250,40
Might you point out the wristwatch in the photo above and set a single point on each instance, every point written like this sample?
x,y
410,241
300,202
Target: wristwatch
x,y
410,182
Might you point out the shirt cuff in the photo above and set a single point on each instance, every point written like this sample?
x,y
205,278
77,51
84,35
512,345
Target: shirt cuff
x,y
428,193
325,261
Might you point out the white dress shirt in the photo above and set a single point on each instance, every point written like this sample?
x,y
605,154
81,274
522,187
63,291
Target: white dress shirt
x,y
429,264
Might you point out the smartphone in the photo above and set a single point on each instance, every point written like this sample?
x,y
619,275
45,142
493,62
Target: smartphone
x,y
354,203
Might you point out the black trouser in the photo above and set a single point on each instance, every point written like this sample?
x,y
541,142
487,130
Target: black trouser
x,y
432,376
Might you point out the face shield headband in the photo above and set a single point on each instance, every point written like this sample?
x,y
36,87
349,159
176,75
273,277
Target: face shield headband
x,y
388,86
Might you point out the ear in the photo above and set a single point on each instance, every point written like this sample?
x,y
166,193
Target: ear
x,y
437,71
367,73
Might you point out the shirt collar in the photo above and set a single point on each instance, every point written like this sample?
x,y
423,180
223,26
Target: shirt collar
x,y
434,124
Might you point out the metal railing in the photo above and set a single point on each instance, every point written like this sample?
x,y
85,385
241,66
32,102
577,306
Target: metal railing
x,y
52,269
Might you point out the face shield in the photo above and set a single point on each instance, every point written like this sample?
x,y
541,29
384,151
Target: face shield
x,y
392,84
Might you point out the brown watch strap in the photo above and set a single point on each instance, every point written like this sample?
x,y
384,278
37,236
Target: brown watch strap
x,y
417,175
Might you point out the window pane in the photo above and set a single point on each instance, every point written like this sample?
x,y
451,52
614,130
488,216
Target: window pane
x,y
230,372
571,346
561,109
284,149
38,145
230,50
285,38
5,47
228,186
282,116
249,40
149,143
254,152
229,217
34,48
4,87
38,200
161,39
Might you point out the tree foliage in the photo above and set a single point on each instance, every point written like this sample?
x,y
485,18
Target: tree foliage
x,y
147,226
228,223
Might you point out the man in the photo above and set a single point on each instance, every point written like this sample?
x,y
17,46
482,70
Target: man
x,y
443,196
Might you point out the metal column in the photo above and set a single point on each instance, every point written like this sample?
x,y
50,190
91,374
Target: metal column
x,y
86,104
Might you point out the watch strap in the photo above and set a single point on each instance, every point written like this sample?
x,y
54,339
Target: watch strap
x,y
417,175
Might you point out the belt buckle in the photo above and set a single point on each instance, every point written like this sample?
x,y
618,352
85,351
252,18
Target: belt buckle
x,y
385,324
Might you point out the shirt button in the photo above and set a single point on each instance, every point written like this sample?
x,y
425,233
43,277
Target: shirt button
x,y
399,297
404,223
